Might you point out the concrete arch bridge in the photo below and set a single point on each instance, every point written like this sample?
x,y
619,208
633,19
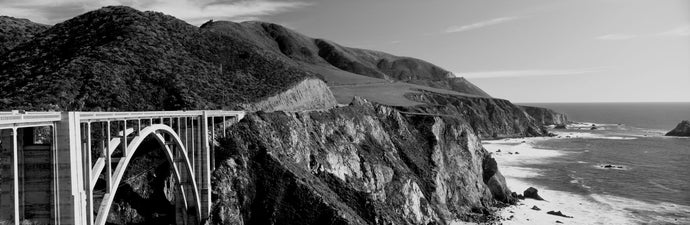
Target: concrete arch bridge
x,y
50,162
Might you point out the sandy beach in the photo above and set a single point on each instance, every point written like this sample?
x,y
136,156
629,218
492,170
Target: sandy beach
x,y
513,157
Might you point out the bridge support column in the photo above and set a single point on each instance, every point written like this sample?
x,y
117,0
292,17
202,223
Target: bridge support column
x,y
9,177
205,162
70,196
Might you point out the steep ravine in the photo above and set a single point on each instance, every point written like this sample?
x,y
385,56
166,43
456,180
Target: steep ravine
x,y
361,164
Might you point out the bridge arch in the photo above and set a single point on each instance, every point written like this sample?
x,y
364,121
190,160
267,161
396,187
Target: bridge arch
x,y
184,177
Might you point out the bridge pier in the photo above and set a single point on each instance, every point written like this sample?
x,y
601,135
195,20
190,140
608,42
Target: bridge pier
x,y
70,196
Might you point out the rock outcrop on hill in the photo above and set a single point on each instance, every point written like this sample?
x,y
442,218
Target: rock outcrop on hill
x,y
682,129
309,94
362,164
14,31
544,116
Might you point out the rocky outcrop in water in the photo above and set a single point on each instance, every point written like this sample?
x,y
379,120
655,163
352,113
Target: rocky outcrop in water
x,y
544,116
361,164
682,129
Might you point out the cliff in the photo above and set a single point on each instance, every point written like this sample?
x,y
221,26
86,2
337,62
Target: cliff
x,y
544,116
488,117
682,129
361,164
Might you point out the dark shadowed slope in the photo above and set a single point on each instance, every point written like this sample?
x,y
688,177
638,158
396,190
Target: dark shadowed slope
x,y
342,65
14,31
118,58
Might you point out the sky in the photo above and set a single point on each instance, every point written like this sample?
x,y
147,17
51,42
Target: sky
x,y
524,51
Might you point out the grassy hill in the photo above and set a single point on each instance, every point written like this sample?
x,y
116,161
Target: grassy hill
x,y
341,65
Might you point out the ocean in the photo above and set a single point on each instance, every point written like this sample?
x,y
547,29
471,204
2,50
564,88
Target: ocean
x,y
648,180
661,116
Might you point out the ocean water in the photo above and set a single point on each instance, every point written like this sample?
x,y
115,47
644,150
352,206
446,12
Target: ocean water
x,y
650,173
662,116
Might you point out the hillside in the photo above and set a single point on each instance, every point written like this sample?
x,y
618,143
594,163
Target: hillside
x,y
341,65
14,31
118,58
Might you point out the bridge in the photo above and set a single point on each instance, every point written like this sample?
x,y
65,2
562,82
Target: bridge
x,y
51,162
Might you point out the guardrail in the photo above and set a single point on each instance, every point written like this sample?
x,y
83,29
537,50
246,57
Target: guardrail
x,y
19,118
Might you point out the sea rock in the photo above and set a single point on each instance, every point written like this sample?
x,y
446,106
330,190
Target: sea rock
x,y
531,192
558,213
560,126
536,208
681,130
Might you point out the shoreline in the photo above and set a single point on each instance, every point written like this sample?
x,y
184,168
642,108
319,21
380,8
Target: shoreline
x,y
516,157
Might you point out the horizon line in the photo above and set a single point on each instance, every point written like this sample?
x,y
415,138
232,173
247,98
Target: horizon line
x,y
604,102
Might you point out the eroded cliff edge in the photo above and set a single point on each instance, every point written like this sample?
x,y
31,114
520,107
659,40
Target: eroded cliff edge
x,y
544,116
361,164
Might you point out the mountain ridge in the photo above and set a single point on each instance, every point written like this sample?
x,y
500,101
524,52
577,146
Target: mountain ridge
x,y
321,52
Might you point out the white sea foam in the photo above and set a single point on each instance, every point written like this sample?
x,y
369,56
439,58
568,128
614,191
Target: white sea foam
x,y
589,135
585,209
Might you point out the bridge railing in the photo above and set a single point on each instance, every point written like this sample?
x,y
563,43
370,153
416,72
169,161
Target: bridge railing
x,y
29,119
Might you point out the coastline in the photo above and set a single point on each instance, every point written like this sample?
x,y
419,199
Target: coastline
x,y
584,209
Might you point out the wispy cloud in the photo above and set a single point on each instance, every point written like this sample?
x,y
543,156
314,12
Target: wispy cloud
x,y
481,24
681,31
617,37
192,11
527,73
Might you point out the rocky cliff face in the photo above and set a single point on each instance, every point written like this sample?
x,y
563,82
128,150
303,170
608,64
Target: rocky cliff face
x,y
310,94
544,116
682,129
488,117
361,164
